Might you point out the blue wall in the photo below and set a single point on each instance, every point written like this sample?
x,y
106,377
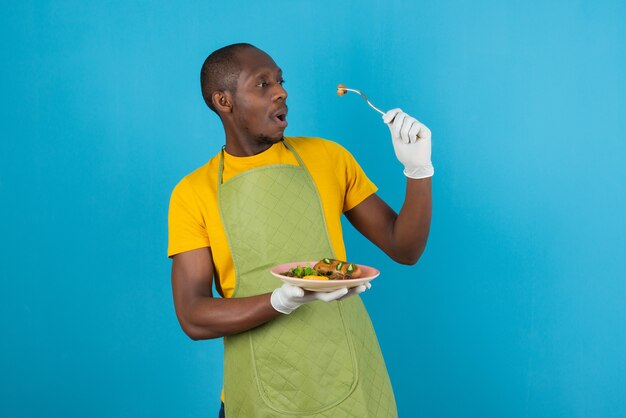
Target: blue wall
x,y
515,310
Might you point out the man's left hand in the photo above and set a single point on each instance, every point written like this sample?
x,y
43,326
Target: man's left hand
x,y
411,142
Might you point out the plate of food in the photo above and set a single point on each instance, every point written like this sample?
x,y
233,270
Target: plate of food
x,y
324,275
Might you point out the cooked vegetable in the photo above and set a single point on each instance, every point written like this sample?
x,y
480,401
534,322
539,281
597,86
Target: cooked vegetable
x,y
326,269
337,269
300,272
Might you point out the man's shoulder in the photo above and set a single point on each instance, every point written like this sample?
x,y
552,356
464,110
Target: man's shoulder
x,y
201,176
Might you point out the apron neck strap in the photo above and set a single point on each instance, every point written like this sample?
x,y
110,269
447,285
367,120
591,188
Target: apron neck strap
x,y
220,170
293,151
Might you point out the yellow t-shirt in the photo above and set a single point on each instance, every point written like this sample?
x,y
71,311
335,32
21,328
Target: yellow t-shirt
x,y
194,219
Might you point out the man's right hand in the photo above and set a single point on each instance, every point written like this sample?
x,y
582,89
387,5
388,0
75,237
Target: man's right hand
x,y
288,298
203,316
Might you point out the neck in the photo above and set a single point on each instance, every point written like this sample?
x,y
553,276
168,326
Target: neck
x,y
246,149
241,145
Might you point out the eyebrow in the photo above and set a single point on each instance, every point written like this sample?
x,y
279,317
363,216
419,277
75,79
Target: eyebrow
x,y
268,72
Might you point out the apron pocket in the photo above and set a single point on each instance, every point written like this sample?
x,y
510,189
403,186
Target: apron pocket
x,y
305,363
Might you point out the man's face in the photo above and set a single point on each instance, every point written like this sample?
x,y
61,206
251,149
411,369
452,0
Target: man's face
x,y
260,108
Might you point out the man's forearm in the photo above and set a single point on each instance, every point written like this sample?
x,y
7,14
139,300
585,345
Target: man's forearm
x,y
411,227
209,317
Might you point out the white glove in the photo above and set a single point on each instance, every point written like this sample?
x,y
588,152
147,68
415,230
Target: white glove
x,y
411,142
288,298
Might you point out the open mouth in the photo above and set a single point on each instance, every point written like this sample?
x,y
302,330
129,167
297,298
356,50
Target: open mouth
x,y
281,118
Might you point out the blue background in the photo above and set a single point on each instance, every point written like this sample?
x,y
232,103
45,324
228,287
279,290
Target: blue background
x,y
516,309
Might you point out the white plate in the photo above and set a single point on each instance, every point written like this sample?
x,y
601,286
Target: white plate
x,y
368,274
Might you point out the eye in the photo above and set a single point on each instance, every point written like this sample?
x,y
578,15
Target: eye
x,y
263,84
281,82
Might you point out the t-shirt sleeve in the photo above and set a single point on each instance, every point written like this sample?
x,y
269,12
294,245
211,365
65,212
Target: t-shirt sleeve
x,y
186,225
358,186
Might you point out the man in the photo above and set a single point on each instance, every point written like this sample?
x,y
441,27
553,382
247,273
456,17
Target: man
x,y
264,200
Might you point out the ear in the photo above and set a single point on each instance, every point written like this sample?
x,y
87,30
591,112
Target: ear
x,y
222,100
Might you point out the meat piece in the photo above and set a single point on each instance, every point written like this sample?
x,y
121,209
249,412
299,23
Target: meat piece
x,y
337,269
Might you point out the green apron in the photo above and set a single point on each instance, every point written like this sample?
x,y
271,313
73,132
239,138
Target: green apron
x,y
322,360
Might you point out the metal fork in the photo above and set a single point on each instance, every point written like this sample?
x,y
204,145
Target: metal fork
x,y
341,90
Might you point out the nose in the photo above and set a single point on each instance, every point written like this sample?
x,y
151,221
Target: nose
x,y
280,93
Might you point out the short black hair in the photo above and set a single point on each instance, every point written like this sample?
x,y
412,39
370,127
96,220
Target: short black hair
x,y
220,71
